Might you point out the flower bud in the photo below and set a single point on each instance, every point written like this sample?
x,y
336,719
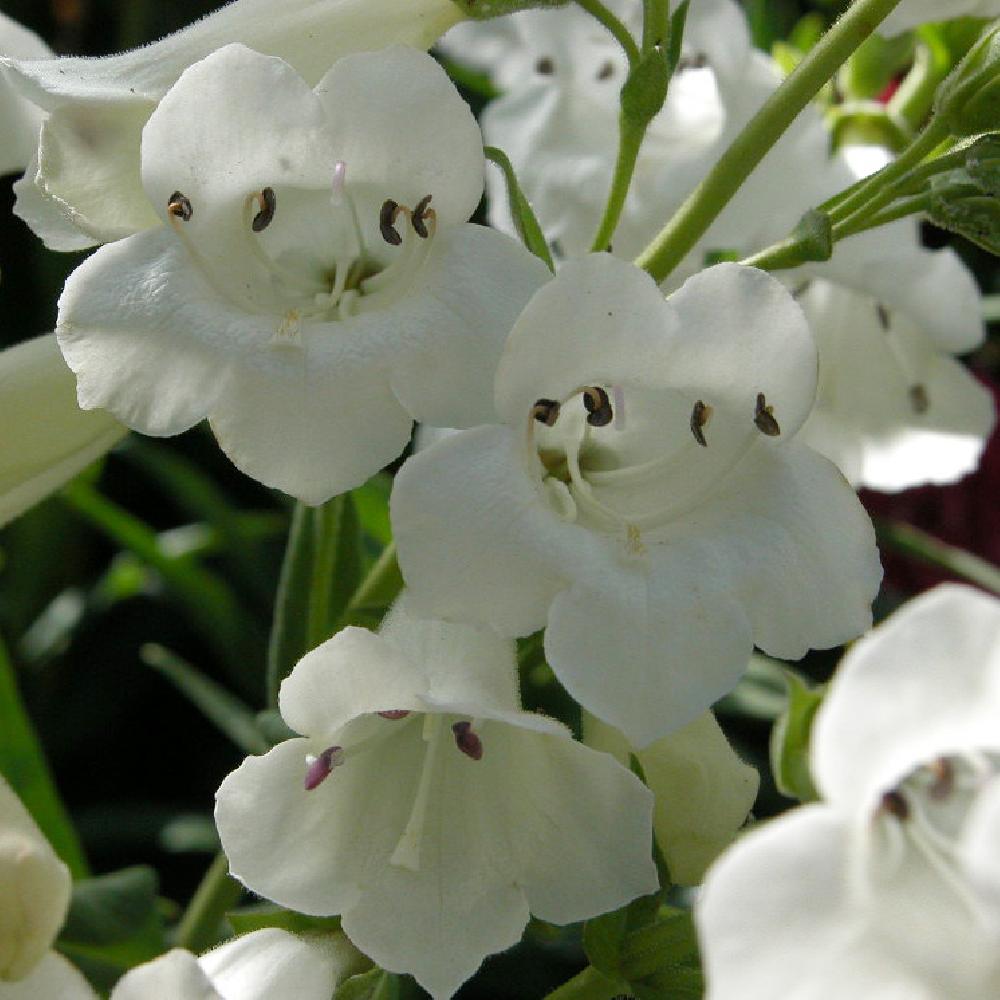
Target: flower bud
x,y
47,438
968,101
34,890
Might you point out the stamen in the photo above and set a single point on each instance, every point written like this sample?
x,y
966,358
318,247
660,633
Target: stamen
x,y
606,71
268,203
386,222
339,181
700,415
919,399
884,319
179,206
419,214
546,411
545,66
895,805
763,417
943,773
394,713
319,768
467,741
598,406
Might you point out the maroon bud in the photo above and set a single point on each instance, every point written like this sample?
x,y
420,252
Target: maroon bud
x,y
394,713
467,741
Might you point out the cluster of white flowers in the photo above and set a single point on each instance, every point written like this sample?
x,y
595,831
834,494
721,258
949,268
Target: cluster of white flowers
x,y
660,476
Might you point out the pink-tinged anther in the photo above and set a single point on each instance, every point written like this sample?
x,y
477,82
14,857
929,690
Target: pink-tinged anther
x,y
339,180
467,741
394,713
321,766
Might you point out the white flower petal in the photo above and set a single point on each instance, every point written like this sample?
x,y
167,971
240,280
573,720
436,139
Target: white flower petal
x,y
775,919
50,219
454,322
36,890
176,975
19,119
978,848
404,132
133,320
647,647
52,978
797,545
703,790
497,561
911,13
272,963
47,437
925,683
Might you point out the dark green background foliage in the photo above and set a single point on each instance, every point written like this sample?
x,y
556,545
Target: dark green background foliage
x,y
135,763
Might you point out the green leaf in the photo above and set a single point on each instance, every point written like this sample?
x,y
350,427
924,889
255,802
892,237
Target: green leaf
x,y
761,692
321,571
376,592
960,204
255,918
521,211
226,711
273,727
602,941
969,99
669,941
680,982
23,764
108,909
790,740
361,987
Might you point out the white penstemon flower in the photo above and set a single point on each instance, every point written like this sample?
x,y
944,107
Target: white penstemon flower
x,y
262,965
48,439
315,287
889,887
83,186
20,120
644,498
424,807
911,13
34,897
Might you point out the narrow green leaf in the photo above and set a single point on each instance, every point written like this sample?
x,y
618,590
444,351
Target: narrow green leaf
x,y
361,987
376,592
227,712
23,764
520,209
790,740
678,21
602,941
668,942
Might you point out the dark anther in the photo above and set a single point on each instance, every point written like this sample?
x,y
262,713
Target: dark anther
x,y
944,778
467,741
801,289
268,203
883,316
697,60
919,399
179,207
417,219
386,220
699,417
606,71
895,805
763,417
394,713
598,406
320,768
545,66
546,411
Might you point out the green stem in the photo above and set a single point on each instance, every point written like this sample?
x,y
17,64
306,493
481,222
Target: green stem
x,y
589,985
379,588
705,203
326,522
898,210
623,36
218,893
911,541
630,138
880,184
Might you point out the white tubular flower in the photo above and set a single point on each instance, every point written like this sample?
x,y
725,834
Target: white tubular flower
x,y
36,889
893,408
47,438
888,888
20,120
262,965
316,287
911,13
644,498
429,811
703,791
84,186
53,978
